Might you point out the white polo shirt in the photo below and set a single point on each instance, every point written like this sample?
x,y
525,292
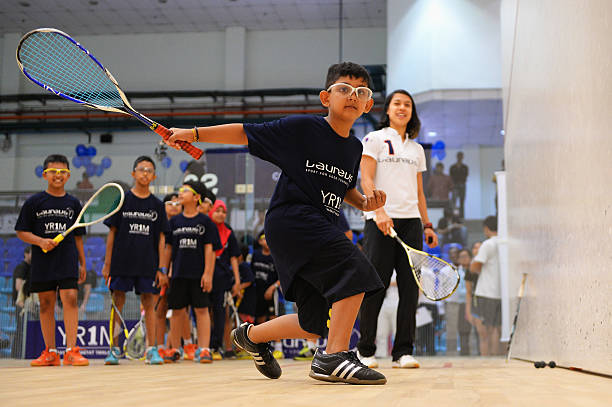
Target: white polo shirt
x,y
397,165
489,280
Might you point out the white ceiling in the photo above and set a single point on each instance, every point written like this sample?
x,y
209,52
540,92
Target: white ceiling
x,y
91,17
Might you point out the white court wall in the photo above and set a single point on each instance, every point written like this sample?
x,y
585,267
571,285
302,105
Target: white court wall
x,y
443,44
559,163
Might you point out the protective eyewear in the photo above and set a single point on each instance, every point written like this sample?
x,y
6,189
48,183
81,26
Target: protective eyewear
x,y
56,171
344,89
185,189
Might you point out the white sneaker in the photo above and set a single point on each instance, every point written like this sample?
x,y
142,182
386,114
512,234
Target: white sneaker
x,y
406,362
370,361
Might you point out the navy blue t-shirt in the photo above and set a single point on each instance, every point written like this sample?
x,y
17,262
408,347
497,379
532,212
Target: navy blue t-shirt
x,y
188,237
47,216
264,271
249,299
224,277
318,167
139,223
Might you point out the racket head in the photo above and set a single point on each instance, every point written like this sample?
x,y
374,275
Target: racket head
x,y
121,335
103,204
51,59
436,278
136,341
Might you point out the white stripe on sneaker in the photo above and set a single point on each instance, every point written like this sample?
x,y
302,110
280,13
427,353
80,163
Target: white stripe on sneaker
x,y
339,367
346,371
353,372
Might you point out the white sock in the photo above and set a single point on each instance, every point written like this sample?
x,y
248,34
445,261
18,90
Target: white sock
x,y
187,341
149,348
278,345
55,350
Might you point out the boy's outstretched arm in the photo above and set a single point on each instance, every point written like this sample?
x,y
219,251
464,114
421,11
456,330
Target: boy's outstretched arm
x,y
232,133
364,202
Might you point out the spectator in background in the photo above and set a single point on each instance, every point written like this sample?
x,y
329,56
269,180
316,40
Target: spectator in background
x,y
487,296
387,319
84,183
451,229
459,173
91,281
457,327
439,185
470,285
21,291
344,226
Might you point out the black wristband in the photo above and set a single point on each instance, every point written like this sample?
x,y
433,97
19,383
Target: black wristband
x,y
163,270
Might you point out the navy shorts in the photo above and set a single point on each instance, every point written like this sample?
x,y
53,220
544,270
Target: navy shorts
x,y
340,270
53,285
139,284
187,291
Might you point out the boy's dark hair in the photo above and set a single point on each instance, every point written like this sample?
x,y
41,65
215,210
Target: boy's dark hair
x,y
169,197
56,158
141,159
197,186
414,125
491,223
210,195
244,251
346,69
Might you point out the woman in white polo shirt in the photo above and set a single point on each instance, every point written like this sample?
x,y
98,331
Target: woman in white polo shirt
x,y
393,162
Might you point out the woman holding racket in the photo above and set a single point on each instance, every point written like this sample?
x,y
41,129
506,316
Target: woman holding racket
x,y
393,162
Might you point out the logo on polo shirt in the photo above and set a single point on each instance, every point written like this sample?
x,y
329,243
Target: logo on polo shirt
x,y
55,227
150,216
190,230
330,171
188,243
62,213
331,202
139,229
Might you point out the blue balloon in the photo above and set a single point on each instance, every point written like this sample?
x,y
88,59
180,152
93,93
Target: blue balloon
x,y
167,162
438,145
81,150
106,162
91,169
99,170
76,161
91,151
85,160
39,171
183,165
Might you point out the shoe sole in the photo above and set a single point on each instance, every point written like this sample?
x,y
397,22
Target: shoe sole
x,y
352,380
233,338
111,363
413,366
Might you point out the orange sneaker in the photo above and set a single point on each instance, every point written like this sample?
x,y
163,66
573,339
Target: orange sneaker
x,y
190,351
170,355
46,358
73,357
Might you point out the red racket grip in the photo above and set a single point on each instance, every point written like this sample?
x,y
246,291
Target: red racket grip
x,y
163,291
185,146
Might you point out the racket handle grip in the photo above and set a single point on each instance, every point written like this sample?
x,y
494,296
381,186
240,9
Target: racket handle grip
x,y
56,239
193,151
163,291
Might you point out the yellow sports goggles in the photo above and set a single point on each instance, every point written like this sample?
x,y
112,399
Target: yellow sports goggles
x,y
56,171
187,188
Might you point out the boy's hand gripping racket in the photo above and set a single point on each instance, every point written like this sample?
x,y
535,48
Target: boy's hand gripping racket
x,y
103,204
435,277
53,60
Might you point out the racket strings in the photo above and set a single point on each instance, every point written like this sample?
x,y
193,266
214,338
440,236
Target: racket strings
x,y
107,200
437,279
55,61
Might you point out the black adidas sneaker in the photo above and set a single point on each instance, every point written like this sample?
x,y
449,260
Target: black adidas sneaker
x,y
343,367
264,361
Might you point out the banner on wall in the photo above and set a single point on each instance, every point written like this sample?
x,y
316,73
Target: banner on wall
x,y
92,338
